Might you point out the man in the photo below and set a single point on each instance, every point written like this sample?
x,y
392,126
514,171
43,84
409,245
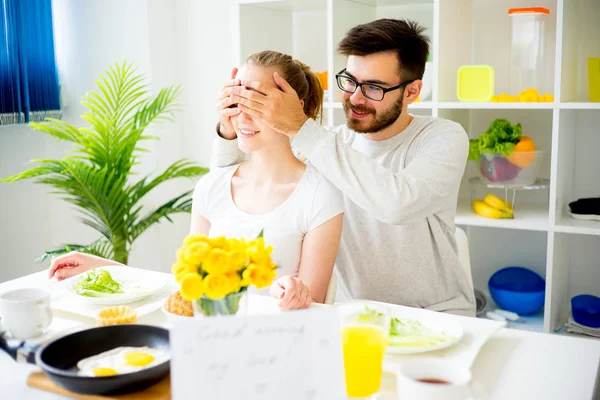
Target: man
x,y
399,173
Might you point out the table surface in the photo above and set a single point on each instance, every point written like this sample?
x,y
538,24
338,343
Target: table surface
x,y
512,364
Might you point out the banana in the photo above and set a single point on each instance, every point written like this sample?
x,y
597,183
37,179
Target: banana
x,y
497,202
485,210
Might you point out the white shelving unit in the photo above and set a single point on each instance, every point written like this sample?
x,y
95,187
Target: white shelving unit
x,y
542,236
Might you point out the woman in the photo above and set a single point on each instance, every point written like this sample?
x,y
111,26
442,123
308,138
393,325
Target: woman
x,y
299,211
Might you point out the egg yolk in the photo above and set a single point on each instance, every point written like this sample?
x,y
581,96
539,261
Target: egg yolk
x,y
103,371
138,359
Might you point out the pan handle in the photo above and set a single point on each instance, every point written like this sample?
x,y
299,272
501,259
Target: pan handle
x,y
19,350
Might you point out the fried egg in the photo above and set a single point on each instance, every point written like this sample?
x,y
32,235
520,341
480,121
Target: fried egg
x,y
122,360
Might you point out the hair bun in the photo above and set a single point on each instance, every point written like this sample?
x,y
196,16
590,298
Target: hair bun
x,y
305,68
298,75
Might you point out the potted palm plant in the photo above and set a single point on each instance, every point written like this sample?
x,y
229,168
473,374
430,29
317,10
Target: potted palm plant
x,y
97,177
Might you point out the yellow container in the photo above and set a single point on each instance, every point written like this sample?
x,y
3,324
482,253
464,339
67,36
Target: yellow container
x,y
594,78
475,83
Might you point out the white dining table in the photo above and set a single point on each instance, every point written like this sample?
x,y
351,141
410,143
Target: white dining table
x,y
512,364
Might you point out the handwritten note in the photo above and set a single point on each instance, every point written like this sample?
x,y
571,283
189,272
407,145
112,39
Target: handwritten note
x,y
293,356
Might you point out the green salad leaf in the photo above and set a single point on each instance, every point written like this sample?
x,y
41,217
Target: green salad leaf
x,y
411,333
97,283
407,333
500,138
369,314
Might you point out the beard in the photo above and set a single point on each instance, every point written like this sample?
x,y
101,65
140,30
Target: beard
x,y
382,120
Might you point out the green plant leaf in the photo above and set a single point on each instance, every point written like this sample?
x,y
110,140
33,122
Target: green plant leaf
x,y
59,129
179,169
100,248
96,175
180,204
499,138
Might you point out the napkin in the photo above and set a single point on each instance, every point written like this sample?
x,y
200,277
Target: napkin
x,y
574,327
65,303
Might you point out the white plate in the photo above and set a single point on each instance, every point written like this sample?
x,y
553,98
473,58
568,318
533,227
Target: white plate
x,y
585,217
171,318
450,327
138,283
435,322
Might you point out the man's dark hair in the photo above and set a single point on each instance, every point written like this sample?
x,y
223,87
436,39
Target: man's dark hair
x,y
403,37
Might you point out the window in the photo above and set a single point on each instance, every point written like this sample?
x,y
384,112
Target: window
x,y
29,89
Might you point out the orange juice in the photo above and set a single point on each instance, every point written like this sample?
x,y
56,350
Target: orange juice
x,y
364,348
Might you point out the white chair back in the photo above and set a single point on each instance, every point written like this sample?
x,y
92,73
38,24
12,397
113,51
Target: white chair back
x,y
330,296
462,243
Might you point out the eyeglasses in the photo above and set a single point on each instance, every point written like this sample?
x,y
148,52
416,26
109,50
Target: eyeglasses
x,y
368,90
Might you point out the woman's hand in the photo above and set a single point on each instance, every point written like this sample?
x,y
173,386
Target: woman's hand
x,y
224,102
74,263
292,292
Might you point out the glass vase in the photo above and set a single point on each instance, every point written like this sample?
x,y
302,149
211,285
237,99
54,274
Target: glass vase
x,y
232,304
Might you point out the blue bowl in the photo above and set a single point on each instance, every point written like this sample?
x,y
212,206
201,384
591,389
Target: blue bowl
x,y
586,310
517,289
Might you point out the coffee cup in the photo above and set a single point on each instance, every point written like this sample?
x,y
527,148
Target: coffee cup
x,y
433,379
25,313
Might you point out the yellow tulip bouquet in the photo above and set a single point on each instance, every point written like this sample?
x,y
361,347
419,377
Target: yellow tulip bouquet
x,y
216,272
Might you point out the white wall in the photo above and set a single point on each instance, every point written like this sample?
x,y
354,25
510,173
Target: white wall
x,y
255,36
168,42
309,38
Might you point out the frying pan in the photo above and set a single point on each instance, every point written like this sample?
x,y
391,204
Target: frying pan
x,y
58,358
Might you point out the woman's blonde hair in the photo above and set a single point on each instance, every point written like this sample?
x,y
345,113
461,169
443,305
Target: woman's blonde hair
x,y
298,75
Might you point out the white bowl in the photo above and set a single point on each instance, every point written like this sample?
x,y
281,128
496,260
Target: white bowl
x,y
172,317
138,283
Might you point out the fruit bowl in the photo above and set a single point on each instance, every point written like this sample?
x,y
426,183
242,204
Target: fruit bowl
x,y
518,168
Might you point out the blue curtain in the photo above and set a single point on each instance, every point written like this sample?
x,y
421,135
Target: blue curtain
x,y
29,89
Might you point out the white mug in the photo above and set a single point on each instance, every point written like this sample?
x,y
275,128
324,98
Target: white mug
x,y
433,379
25,312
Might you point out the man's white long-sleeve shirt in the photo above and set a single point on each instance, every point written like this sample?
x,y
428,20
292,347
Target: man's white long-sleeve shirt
x,y
400,195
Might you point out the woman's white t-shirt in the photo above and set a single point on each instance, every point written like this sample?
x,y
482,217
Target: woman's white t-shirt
x,y
314,201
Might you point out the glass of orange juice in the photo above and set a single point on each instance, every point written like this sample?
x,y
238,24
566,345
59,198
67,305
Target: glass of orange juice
x,y
364,340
